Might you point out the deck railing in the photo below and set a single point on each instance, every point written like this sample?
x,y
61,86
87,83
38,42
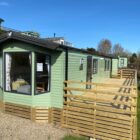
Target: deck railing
x,y
127,73
105,112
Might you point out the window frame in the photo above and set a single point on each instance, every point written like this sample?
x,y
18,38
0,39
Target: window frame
x,y
121,62
35,64
106,65
4,68
95,70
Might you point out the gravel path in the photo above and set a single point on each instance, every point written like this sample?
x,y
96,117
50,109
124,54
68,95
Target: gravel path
x,y
16,128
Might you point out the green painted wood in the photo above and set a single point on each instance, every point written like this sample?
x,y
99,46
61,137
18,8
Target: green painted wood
x,y
114,67
1,83
74,72
17,98
101,74
58,77
125,62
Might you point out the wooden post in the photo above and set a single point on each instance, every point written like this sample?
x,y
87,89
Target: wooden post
x,y
50,115
2,107
62,118
94,115
33,114
134,116
121,73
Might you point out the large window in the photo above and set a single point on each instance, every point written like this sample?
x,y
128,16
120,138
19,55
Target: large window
x,y
18,72
42,73
95,66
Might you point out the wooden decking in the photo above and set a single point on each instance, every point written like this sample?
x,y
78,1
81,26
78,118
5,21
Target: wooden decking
x,y
117,90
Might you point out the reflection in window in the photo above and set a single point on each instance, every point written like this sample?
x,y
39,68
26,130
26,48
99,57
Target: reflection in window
x,y
122,62
107,65
42,73
18,72
95,66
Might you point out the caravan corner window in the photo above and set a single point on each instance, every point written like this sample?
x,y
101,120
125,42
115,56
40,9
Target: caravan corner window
x,y
17,72
42,74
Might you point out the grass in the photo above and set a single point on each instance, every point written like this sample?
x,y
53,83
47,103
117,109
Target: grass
x,y
138,113
75,138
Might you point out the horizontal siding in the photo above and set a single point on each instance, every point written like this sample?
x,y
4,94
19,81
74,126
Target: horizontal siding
x,y
18,98
58,75
114,67
74,72
101,74
42,100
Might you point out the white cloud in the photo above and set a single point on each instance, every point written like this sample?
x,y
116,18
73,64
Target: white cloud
x,y
3,3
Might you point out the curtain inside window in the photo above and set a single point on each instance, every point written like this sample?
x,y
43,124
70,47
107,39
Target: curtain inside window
x,y
8,60
48,69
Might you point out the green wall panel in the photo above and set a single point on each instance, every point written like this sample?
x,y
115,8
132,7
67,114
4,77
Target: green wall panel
x,y
114,67
1,83
58,77
101,74
74,72
18,98
55,96
125,62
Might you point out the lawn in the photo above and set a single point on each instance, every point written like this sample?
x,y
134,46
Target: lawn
x,y
139,114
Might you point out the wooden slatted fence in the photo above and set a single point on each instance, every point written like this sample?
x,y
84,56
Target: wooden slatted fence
x,y
102,112
127,73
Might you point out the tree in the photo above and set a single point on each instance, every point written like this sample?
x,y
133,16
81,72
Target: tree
x,y
1,31
92,50
118,50
133,58
104,46
138,64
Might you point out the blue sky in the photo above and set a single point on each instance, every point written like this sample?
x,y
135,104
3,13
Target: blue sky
x,y
82,22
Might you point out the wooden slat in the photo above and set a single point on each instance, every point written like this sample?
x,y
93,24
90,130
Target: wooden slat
x,y
119,121
100,117
18,110
101,91
99,113
96,84
129,103
41,114
106,109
